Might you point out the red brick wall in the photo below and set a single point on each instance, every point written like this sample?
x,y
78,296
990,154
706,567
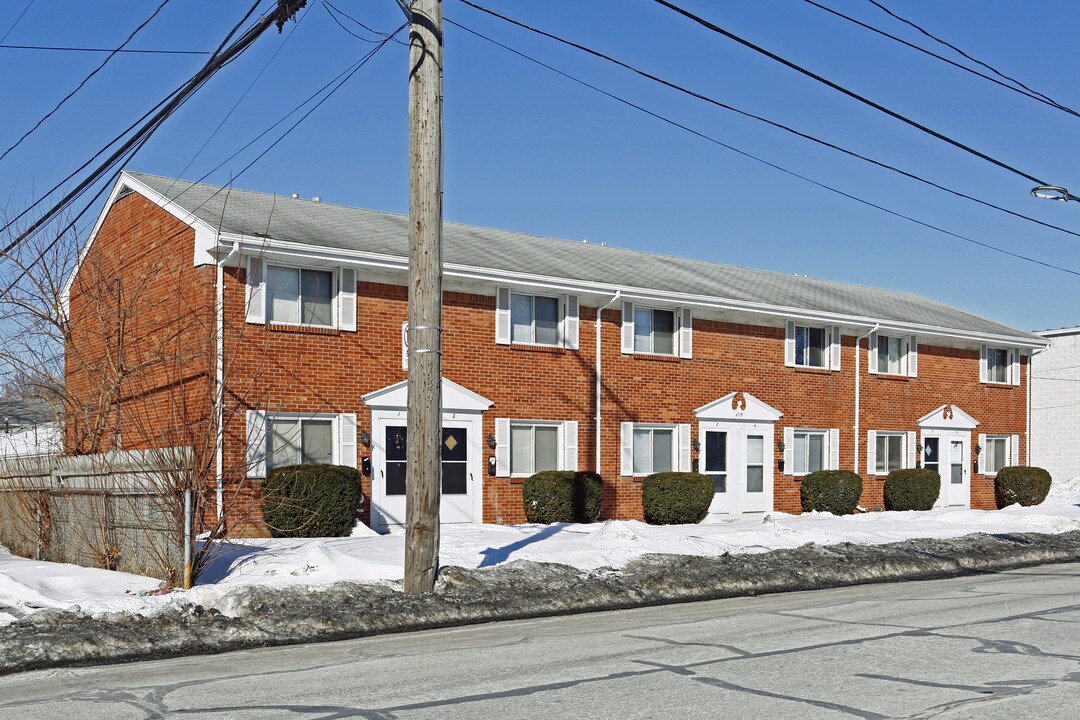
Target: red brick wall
x,y
283,369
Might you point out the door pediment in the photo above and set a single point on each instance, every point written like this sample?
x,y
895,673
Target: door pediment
x,y
455,398
948,417
738,406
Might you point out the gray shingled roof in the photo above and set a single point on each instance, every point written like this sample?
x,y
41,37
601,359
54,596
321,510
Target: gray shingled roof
x,y
348,228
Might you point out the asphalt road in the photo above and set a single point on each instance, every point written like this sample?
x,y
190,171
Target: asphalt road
x,y
994,646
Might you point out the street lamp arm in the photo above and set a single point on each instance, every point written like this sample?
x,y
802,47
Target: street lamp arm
x,y
1053,192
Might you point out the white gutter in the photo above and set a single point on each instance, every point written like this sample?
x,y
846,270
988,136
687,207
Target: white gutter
x,y
219,383
1027,432
599,314
858,377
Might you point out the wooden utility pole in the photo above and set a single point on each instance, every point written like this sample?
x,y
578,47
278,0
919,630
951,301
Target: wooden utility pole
x,y
424,440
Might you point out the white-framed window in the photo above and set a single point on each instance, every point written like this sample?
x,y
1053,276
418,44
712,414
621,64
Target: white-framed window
x,y
279,439
654,449
812,346
810,451
523,318
534,319
999,365
654,331
534,447
301,296
891,355
525,447
890,452
996,453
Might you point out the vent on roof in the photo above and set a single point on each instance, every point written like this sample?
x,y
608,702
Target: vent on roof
x,y
295,196
316,199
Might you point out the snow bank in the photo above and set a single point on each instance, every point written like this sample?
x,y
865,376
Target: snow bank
x,y
27,586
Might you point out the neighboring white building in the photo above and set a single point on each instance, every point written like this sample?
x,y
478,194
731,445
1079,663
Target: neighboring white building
x,y
1055,404
31,441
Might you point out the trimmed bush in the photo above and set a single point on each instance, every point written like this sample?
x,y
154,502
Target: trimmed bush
x,y
311,500
676,498
562,496
912,489
835,491
1021,484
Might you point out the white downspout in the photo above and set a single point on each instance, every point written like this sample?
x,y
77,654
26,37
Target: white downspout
x,y
219,383
1027,432
858,376
599,314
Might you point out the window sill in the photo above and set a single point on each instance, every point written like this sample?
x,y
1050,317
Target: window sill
x,y
302,329
656,358
813,370
549,349
891,376
1000,385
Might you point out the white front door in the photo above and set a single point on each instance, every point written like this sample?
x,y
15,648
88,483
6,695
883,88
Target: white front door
x,y
460,477
949,454
738,457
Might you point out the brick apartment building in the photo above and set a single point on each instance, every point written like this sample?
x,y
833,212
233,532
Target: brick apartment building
x,y
282,321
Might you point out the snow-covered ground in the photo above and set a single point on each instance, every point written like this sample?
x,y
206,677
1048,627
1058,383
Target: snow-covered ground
x,y
28,585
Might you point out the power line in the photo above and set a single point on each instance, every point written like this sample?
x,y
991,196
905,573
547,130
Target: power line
x,y
58,48
773,123
17,21
949,45
850,93
86,79
1038,97
285,9
330,7
757,159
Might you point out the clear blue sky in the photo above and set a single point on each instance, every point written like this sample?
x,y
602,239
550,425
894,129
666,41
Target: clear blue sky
x,y
531,151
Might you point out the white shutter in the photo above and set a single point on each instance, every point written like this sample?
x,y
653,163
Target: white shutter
x,y
686,333
910,449
1014,449
913,356
684,448
255,457
571,324
789,450
872,352
502,316
347,439
628,328
626,447
837,346
570,443
256,291
871,452
347,300
982,364
502,447
982,455
789,344
1015,356
834,449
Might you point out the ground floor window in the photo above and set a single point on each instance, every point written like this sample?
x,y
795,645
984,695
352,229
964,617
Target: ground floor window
x,y
653,450
300,441
810,451
534,447
995,454
891,451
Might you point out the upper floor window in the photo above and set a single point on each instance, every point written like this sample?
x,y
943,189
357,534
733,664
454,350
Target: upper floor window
x,y
300,296
527,319
1000,365
308,296
811,346
534,319
891,355
654,331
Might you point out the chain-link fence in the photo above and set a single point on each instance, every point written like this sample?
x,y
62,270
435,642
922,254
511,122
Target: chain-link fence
x,y
119,511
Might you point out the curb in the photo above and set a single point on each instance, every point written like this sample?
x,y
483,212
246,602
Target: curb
x,y
266,617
